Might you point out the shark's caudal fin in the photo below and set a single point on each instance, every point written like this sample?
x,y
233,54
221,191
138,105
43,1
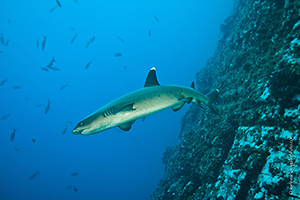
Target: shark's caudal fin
x,y
151,79
211,97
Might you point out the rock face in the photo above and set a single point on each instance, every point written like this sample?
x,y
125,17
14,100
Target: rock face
x,y
248,150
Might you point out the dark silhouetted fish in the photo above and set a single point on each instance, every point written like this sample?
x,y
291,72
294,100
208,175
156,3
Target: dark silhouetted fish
x,y
45,69
69,187
38,42
54,68
120,39
88,64
73,29
17,149
2,38
63,86
75,189
149,33
73,39
156,18
52,9
124,67
74,174
5,116
13,135
43,45
39,105
69,122
76,1
47,107
64,131
118,54
6,43
1,52
88,44
51,63
58,3
92,39
16,87
33,140
8,20
3,81
33,175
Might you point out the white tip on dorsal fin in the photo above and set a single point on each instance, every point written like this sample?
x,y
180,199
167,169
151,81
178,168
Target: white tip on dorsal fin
x,y
151,79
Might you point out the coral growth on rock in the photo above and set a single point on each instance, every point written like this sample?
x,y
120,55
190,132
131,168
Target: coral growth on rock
x,y
248,149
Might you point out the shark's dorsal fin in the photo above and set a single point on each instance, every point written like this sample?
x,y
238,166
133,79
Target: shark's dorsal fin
x,y
126,126
151,79
193,85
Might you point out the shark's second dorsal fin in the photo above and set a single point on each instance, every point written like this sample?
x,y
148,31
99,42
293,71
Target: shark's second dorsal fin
x,y
151,79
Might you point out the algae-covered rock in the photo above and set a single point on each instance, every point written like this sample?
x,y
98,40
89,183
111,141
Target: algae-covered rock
x,y
250,148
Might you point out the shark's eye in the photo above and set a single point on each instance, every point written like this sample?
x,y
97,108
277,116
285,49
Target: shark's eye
x,y
81,123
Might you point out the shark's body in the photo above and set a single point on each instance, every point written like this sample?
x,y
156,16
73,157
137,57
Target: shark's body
x,y
148,100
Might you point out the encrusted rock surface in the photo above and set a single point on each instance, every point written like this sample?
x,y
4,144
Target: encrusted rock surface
x,y
245,151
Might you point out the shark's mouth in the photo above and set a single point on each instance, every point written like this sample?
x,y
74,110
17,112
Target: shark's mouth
x,y
76,132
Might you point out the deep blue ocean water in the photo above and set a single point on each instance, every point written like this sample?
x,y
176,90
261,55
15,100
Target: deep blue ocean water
x,y
112,164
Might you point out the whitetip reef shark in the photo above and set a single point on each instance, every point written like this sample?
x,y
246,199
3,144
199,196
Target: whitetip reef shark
x,y
148,100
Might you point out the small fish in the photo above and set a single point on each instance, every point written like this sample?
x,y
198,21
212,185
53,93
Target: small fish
x,y
16,87
58,3
6,43
69,187
74,174
69,122
63,86
52,9
92,39
45,69
47,107
1,52
54,68
118,54
88,64
124,67
2,39
75,189
38,42
17,149
33,175
64,131
3,81
73,39
8,20
33,140
5,116
156,18
51,63
76,1
149,33
44,43
13,134
120,39
73,29
88,44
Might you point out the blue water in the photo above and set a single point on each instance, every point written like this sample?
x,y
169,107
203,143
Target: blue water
x,y
110,165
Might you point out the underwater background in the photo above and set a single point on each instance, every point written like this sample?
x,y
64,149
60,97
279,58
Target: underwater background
x,y
102,50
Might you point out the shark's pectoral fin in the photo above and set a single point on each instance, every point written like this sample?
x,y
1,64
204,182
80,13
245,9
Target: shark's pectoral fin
x,y
126,126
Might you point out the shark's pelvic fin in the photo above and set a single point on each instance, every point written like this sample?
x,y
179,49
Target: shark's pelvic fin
x,y
151,79
181,103
126,126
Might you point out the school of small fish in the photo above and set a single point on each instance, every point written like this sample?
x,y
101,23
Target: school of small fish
x,y
53,65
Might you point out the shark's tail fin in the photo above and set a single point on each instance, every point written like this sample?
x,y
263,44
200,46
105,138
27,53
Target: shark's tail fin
x,y
211,98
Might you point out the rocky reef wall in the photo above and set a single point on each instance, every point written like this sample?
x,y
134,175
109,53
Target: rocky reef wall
x,y
249,148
